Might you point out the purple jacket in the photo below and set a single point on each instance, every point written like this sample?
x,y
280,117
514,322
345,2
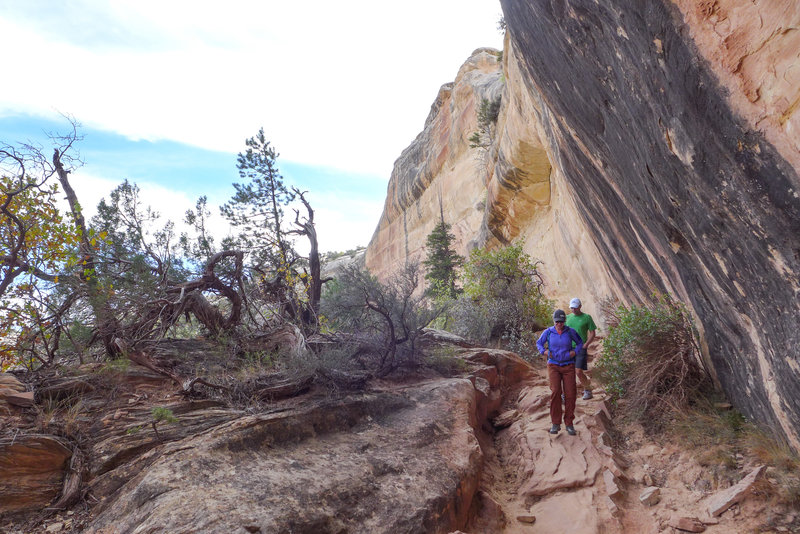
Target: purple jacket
x,y
560,345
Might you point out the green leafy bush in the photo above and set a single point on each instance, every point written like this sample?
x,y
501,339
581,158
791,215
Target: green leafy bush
x,y
503,299
488,113
651,355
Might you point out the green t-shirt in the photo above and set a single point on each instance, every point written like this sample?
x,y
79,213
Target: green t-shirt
x,y
583,323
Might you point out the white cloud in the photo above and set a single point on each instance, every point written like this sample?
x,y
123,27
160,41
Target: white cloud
x,y
343,84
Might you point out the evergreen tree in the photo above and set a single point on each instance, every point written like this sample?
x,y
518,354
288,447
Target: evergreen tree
x,y
257,207
442,262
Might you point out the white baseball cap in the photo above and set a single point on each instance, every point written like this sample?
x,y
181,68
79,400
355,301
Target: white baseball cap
x,y
575,303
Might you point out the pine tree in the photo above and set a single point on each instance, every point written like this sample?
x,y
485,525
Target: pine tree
x,y
442,262
257,207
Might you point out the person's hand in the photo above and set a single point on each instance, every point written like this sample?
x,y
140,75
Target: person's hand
x,y
546,352
572,353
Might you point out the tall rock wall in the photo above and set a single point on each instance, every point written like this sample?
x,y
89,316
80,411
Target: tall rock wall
x,y
438,172
641,146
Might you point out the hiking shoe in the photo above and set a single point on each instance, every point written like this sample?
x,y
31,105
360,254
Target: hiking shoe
x,y
555,429
587,394
570,430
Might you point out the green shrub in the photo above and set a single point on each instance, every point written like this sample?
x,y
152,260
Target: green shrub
x,y
503,299
488,112
651,355
161,415
442,263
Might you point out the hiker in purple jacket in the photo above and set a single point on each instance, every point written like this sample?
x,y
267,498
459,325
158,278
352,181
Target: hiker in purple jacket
x,y
561,369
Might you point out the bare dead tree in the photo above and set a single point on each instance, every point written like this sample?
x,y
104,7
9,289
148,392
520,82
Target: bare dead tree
x,y
107,325
384,320
306,228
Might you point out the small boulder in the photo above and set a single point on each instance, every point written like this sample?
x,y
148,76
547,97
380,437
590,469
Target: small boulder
x,y
615,469
612,489
723,500
687,524
24,399
612,506
650,496
526,518
9,381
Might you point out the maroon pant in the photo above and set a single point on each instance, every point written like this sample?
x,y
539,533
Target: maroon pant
x,y
559,374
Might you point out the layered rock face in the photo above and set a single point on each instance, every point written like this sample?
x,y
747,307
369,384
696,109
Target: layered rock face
x,y
438,173
398,458
645,146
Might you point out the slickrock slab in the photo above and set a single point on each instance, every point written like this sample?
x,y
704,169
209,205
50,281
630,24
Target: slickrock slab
x,y
723,500
65,387
533,401
505,419
687,524
549,463
511,369
405,460
650,496
12,392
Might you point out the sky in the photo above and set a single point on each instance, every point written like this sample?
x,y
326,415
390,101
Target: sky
x,y
166,92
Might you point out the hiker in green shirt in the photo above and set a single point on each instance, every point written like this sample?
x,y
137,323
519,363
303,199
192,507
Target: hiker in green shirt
x,y
584,324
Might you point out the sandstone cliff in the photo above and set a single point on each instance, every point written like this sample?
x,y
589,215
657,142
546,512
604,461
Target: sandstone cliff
x,y
640,147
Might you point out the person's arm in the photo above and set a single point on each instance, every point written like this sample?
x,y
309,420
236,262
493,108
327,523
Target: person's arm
x,y
590,333
576,337
589,339
540,342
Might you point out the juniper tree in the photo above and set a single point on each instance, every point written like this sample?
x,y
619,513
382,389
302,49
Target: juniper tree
x,y
442,262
